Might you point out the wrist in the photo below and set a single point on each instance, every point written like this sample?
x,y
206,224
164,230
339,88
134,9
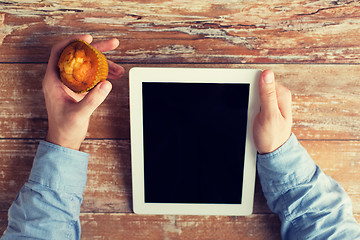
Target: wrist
x,y
279,150
63,141
276,145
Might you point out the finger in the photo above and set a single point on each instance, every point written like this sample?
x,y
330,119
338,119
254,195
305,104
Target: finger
x,y
115,70
94,98
106,45
267,90
284,100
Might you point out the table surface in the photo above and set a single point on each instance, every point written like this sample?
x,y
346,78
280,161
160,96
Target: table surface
x,y
312,46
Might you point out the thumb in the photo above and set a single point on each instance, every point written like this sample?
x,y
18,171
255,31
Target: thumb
x,y
94,98
267,90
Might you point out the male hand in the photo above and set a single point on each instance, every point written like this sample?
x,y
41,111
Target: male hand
x,y
272,126
69,112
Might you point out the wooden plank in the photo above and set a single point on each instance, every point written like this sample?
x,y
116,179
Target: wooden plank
x,y
341,161
325,101
23,113
109,175
15,165
108,187
205,31
130,226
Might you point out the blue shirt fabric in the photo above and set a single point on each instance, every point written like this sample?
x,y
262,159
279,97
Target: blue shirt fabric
x,y
310,204
48,205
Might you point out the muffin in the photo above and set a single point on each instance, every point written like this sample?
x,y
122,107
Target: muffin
x,y
81,66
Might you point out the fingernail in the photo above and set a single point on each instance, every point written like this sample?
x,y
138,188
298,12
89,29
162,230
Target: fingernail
x,y
116,42
268,78
105,87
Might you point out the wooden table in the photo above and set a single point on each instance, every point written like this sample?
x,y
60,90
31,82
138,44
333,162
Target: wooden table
x,y
313,47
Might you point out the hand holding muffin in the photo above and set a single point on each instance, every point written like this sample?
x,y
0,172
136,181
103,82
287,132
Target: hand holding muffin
x,y
69,112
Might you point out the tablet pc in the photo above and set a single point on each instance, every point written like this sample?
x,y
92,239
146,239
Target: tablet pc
x,y
192,149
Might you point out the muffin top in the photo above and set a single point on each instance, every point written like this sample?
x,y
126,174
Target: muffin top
x,y
79,66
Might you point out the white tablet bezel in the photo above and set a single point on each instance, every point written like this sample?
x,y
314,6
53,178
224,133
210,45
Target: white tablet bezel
x,y
139,75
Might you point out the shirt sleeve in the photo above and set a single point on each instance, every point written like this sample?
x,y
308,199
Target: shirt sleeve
x,y
310,204
48,205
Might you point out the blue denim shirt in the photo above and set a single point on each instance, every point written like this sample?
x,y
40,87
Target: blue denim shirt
x,y
48,205
310,204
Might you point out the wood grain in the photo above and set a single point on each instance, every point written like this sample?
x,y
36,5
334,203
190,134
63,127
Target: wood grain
x,y
325,107
152,227
108,187
206,31
311,45
128,226
125,226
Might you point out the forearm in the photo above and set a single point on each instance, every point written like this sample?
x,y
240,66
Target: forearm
x,y
309,203
48,205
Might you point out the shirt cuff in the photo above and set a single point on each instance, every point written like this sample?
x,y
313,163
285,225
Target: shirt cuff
x,y
286,167
60,169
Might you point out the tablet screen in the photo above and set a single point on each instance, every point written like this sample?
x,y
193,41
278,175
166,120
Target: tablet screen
x,y
194,141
